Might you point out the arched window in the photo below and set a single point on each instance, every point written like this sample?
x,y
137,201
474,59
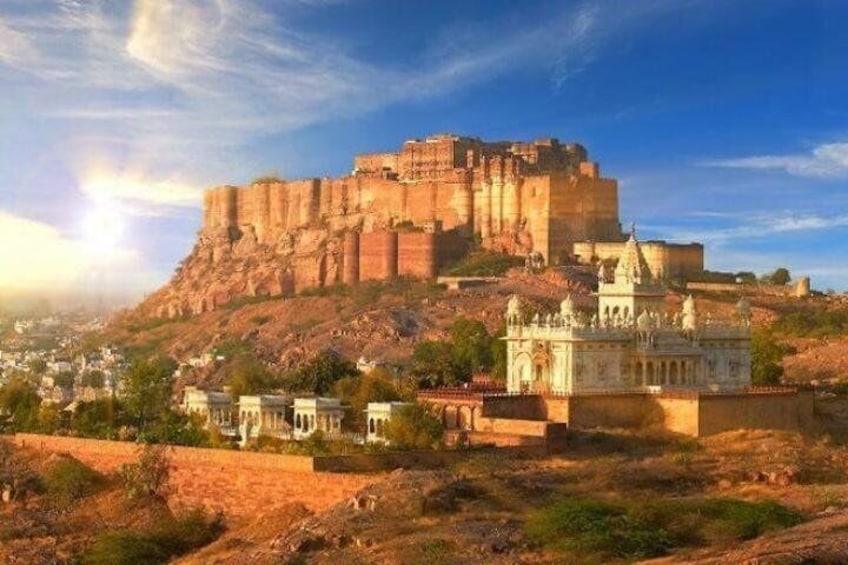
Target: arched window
x,y
297,422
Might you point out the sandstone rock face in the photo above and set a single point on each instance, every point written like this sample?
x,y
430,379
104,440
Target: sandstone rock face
x,y
228,264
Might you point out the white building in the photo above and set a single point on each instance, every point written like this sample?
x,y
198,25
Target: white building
x,y
216,407
631,343
378,415
263,414
320,413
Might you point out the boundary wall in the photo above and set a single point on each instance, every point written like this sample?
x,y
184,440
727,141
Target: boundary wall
x,y
687,412
692,413
240,484
243,483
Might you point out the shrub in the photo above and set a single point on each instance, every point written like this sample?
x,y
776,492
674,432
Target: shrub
x,y
485,263
170,537
413,427
149,476
68,480
641,529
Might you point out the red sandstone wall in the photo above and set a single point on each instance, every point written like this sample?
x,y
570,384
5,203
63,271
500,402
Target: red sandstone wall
x,y
237,483
417,254
350,258
378,252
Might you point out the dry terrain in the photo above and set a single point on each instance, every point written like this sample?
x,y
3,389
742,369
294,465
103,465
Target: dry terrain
x,y
382,321
488,509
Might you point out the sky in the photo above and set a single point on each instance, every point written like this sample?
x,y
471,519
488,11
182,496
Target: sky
x,y
724,122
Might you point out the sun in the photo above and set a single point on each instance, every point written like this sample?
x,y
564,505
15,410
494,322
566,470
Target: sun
x,y
103,229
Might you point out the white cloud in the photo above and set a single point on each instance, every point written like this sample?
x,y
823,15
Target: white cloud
x,y
36,255
754,226
15,47
826,160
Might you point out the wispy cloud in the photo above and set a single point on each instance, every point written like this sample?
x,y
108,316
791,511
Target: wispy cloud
x,y
167,75
826,160
752,226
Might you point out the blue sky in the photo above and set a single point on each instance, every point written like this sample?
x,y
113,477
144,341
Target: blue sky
x,y
725,122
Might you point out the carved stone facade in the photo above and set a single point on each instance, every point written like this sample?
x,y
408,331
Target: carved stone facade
x,y
632,343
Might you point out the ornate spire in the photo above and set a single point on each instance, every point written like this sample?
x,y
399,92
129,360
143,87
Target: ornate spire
x,y
629,266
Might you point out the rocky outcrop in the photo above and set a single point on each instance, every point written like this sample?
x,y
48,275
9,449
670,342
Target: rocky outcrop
x,y
229,264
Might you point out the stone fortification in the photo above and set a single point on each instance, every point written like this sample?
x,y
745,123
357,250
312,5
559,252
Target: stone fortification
x,y
404,213
519,197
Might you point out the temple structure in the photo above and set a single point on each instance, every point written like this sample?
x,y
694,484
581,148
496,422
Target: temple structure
x,y
631,343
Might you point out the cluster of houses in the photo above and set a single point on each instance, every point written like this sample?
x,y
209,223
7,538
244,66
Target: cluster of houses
x,y
281,416
52,387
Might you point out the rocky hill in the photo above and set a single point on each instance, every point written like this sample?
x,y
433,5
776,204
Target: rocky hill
x,y
383,320
380,321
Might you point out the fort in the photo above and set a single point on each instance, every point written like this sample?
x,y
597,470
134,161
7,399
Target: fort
x,y
407,214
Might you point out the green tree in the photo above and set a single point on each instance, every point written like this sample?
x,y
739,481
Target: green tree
x,y
780,276
357,392
65,379
472,344
21,405
434,365
766,355
98,418
148,477
147,390
499,357
37,365
320,373
413,427
746,277
93,379
248,375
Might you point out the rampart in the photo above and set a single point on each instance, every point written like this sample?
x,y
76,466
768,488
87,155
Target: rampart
x,y
518,197
799,289
664,260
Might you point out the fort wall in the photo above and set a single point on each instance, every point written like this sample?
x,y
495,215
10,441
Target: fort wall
x,y
416,255
665,260
378,255
798,289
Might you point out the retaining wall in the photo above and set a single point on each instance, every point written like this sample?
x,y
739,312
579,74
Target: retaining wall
x,y
240,484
